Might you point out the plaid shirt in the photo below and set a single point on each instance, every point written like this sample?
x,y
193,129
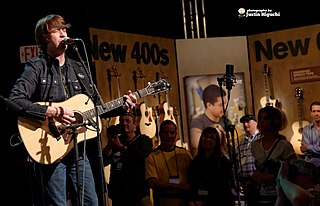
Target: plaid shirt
x,y
245,159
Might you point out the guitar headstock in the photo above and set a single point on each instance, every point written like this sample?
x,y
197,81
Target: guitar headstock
x,y
157,76
109,74
163,76
266,70
141,75
134,76
115,72
159,86
299,93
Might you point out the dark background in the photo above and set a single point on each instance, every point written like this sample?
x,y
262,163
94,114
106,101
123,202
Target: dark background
x,y
159,18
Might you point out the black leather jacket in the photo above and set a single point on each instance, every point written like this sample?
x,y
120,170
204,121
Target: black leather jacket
x,y
42,81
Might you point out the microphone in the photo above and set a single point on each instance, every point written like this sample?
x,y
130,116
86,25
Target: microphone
x,y
69,41
230,79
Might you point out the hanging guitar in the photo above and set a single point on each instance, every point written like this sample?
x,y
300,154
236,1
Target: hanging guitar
x,y
109,119
117,76
180,142
156,114
298,126
147,124
266,100
48,141
166,111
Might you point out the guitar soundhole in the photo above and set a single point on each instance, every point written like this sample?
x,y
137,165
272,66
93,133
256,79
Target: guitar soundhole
x,y
78,116
269,104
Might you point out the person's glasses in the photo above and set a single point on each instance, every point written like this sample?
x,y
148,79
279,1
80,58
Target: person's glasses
x,y
58,30
206,138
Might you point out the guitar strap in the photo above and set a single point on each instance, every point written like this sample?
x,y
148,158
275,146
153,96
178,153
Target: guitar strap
x,y
267,158
271,150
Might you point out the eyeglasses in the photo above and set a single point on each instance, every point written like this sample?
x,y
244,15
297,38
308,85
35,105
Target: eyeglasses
x,y
206,138
56,30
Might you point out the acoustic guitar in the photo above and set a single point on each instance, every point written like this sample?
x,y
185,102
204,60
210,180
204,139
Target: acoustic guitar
x,y
147,124
298,125
267,100
180,142
48,141
166,111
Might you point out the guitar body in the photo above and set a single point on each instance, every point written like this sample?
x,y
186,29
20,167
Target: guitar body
x,y
297,136
147,124
264,101
167,113
39,140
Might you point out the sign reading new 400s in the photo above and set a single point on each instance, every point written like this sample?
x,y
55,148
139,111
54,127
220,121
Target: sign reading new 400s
x,y
140,52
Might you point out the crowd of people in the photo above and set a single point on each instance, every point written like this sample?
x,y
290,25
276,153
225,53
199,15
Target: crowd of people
x,y
266,170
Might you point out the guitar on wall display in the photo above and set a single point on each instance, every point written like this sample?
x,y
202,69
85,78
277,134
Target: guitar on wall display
x,y
180,142
48,141
147,124
117,76
110,91
266,100
166,109
298,126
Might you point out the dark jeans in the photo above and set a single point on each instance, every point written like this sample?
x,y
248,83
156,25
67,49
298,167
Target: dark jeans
x,y
54,179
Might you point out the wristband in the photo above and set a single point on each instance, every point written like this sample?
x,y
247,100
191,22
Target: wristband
x,y
281,178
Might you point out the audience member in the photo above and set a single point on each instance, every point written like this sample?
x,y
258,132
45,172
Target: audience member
x,y
268,149
210,174
298,184
167,168
245,159
212,101
223,139
310,145
126,152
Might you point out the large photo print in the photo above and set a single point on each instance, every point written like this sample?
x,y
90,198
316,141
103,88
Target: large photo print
x,y
203,95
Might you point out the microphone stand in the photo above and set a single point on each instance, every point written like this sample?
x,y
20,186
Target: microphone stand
x,y
73,128
96,96
230,129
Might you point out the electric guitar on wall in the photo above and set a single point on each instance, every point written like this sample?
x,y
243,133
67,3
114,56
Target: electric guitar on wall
x,y
298,126
48,141
266,100
147,124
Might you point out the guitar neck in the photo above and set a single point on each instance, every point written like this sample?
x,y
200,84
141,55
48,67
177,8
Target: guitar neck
x,y
167,98
299,113
266,84
114,104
